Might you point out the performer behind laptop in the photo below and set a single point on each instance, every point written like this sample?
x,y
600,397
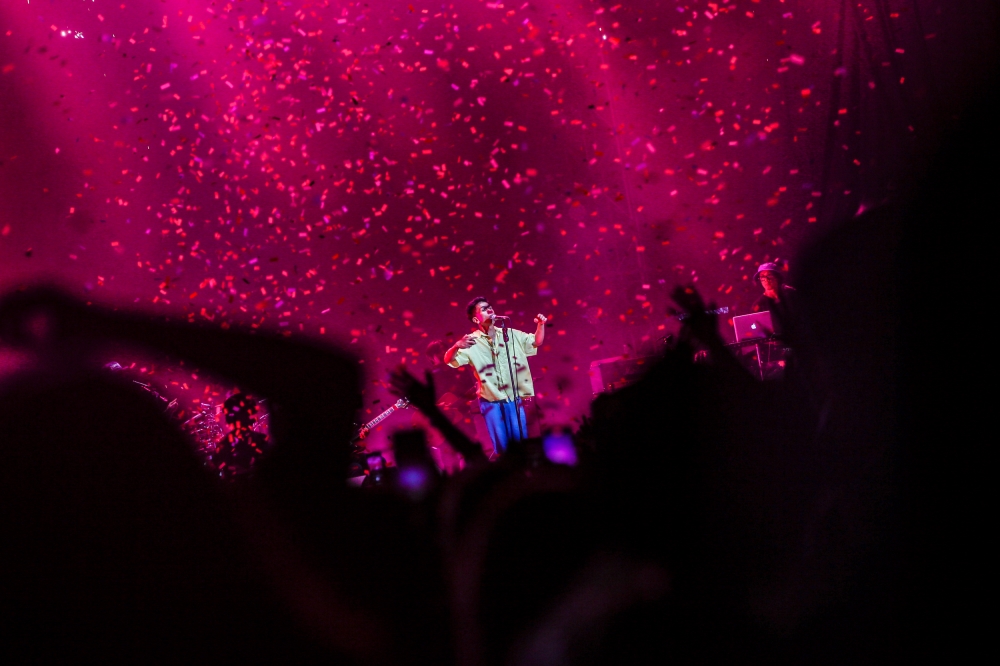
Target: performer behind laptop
x,y
778,297
779,300
494,361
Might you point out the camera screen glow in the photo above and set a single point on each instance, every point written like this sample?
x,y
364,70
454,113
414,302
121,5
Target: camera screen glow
x,y
559,449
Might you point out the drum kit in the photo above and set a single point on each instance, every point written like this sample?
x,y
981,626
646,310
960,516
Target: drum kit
x,y
204,428
218,449
232,453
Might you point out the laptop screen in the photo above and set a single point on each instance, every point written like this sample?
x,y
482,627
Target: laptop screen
x,y
756,326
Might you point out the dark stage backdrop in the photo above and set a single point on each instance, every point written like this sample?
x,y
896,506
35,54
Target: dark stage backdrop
x,y
356,171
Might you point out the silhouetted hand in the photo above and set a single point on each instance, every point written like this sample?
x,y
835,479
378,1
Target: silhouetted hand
x,y
405,385
422,397
697,323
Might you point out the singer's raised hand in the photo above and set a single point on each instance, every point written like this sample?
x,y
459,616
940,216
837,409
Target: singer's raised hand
x,y
540,329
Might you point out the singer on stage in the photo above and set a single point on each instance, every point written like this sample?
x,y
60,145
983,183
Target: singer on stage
x,y
496,353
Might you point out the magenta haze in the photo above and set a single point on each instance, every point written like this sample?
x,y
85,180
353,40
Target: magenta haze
x,y
357,171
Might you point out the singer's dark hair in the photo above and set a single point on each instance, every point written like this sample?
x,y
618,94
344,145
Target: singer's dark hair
x,y
471,307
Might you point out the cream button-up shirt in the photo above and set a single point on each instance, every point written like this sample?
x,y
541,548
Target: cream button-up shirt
x,y
489,362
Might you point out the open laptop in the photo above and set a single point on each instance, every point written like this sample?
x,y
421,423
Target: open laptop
x,y
756,326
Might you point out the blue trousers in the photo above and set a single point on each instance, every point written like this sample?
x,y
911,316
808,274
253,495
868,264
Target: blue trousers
x,y
501,422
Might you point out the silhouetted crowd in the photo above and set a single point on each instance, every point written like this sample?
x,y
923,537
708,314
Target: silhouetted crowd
x,y
698,515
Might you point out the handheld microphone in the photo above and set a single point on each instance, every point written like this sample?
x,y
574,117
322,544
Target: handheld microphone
x,y
501,320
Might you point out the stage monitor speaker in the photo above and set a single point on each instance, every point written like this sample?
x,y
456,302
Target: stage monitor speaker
x,y
611,374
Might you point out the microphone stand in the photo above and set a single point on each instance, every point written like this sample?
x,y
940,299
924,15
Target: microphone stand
x,y
513,379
